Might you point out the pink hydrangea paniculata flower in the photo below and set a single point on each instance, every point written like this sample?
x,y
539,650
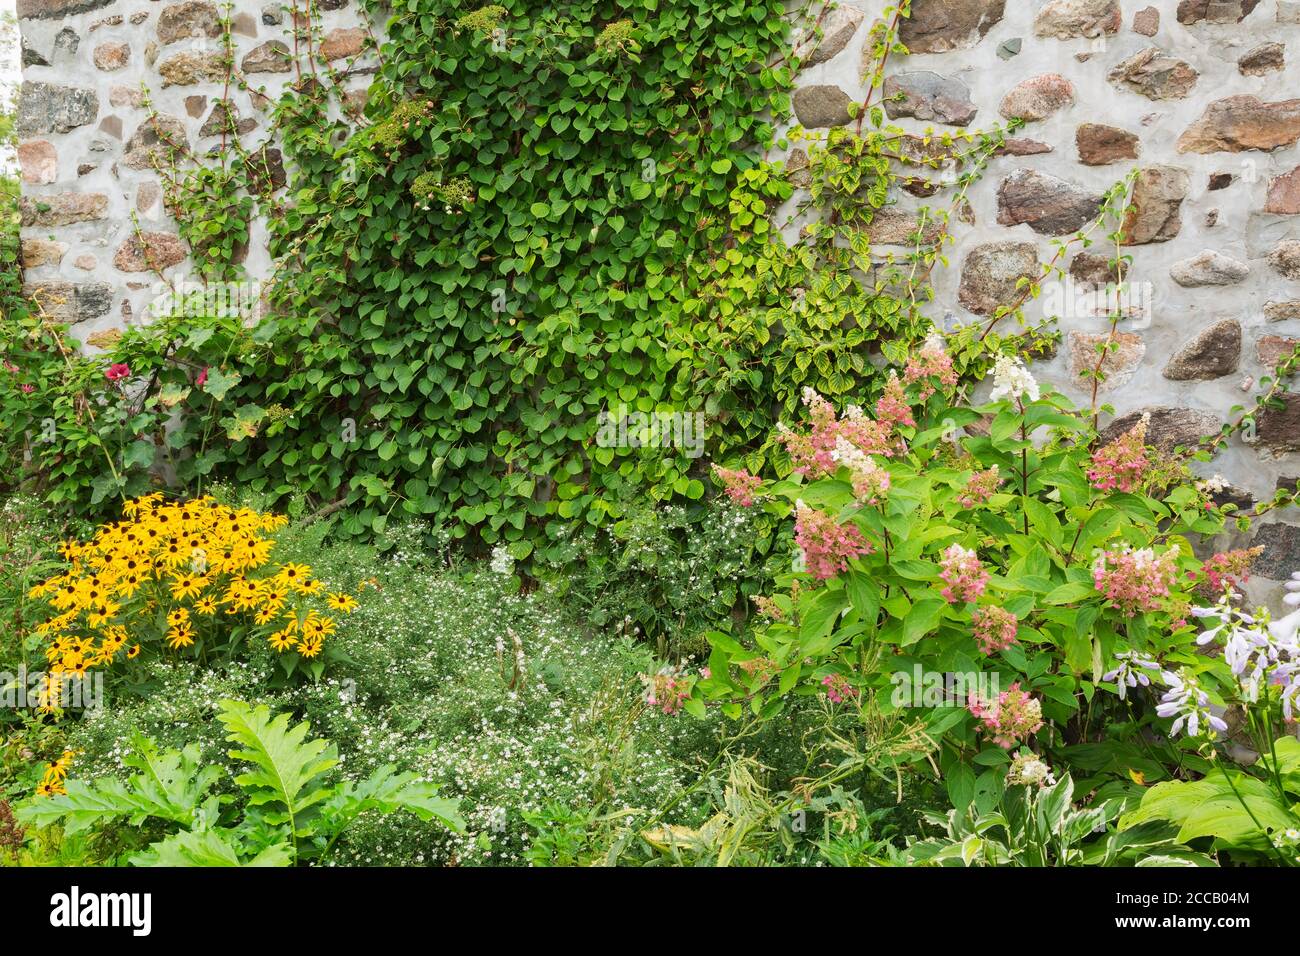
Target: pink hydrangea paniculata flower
x,y
1010,719
929,363
963,575
1226,570
812,454
995,629
1120,465
1135,580
827,545
738,484
870,480
980,487
892,406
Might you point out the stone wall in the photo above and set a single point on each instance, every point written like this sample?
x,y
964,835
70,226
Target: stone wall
x,y
91,71
1199,95
1195,92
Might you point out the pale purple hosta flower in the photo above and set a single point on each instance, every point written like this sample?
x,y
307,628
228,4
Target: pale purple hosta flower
x,y
1128,671
1287,677
1293,586
1188,705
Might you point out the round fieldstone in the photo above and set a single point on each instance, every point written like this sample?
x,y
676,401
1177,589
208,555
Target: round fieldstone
x,y
821,106
150,251
1038,98
1264,59
1209,268
1048,205
1285,259
1213,353
991,274
111,56
929,96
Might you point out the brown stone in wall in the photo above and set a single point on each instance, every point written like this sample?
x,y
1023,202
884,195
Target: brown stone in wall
x,y
1065,19
191,18
1285,258
344,42
1267,58
39,162
1272,349
1090,269
1155,74
1019,146
225,118
57,9
1049,205
42,252
1281,311
937,26
111,56
1037,97
1215,11
821,105
1101,145
147,196
271,57
125,96
1284,194
187,69
1213,353
153,140
1157,201
1169,426
1121,359
991,274
893,227
1239,123
62,209
1147,22
150,251
1278,429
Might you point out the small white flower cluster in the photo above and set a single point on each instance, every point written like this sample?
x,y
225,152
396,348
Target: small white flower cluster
x,y
1029,771
1011,380
502,562
1212,485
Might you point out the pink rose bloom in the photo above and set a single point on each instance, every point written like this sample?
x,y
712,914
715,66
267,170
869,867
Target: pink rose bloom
x,y
117,372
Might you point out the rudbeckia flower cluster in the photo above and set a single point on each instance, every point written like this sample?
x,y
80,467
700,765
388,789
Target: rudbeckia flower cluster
x,y
180,573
